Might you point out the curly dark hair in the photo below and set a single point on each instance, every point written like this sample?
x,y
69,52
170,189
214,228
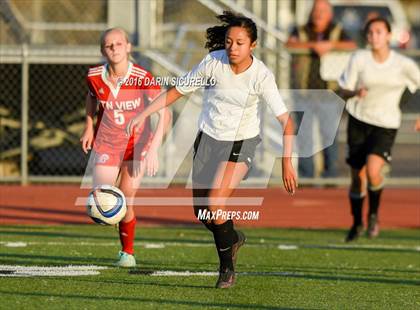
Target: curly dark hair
x,y
216,35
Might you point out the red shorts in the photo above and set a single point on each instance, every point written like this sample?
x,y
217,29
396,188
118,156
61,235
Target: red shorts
x,y
106,156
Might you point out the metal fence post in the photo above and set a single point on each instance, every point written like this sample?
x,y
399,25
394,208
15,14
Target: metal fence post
x,y
24,117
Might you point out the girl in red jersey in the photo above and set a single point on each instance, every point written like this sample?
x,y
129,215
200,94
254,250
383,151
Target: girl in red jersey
x,y
229,127
120,90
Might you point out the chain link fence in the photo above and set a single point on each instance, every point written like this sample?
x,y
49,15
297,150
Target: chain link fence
x,y
55,93
10,119
55,113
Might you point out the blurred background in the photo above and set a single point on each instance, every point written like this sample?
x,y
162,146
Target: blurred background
x,y
47,46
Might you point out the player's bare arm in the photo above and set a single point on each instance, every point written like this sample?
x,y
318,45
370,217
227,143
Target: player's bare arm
x,y
346,93
87,136
165,99
162,127
289,175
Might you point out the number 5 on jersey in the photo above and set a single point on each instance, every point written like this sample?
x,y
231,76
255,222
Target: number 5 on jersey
x,y
119,117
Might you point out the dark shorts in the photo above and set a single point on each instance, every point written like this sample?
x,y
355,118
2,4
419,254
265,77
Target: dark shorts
x,y
209,153
364,139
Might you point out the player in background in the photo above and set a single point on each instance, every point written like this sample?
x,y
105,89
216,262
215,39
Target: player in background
x,y
229,127
374,81
118,90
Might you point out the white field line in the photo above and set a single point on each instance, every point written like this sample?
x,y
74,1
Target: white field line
x,y
53,268
199,244
44,271
287,247
15,244
71,270
169,273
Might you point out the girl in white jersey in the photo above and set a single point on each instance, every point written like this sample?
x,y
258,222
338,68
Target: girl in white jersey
x,y
374,81
228,127
115,154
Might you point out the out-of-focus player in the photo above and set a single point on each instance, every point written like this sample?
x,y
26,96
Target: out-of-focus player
x,y
120,90
374,81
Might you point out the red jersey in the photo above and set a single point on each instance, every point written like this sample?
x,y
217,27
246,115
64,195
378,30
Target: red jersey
x,y
118,105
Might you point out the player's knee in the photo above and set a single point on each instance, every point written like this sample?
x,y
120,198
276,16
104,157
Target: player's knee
x,y
376,182
374,177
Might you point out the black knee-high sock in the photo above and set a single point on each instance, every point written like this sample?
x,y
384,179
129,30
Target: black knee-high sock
x,y
224,237
374,200
356,202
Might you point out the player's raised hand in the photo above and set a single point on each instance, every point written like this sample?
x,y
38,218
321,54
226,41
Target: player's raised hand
x,y
87,139
289,176
134,125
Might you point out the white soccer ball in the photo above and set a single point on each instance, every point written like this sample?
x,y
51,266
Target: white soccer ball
x,y
106,205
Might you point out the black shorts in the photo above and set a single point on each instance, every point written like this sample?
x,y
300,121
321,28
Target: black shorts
x,y
364,139
209,153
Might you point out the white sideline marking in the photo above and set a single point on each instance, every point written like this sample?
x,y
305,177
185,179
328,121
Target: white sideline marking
x,y
205,243
43,271
170,273
15,244
287,247
154,245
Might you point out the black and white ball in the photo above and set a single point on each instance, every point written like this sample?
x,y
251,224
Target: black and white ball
x,y
106,205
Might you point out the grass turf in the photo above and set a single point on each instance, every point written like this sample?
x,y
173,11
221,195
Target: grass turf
x,y
312,269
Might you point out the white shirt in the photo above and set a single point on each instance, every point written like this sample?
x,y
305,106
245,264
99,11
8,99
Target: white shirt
x,y
230,107
385,83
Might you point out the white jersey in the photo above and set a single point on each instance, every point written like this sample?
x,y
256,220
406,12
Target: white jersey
x,y
230,104
385,83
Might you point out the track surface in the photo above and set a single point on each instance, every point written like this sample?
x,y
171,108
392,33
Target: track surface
x,y
309,208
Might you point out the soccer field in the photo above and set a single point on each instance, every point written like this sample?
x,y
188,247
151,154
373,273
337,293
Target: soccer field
x,y
277,269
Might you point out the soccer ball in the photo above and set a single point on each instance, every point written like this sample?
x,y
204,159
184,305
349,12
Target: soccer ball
x,y
106,205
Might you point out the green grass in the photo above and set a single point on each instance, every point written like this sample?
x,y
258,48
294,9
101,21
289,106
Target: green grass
x,y
321,273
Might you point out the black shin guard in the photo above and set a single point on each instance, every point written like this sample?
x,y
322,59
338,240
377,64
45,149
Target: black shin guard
x,y
356,202
224,237
374,200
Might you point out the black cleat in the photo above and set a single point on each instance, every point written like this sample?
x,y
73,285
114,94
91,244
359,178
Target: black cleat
x,y
354,233
226,278
373,226
237,245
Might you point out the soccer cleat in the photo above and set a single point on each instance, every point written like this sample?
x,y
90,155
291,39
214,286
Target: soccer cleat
x,y
126,260
373,226
237,245
226,278
354,233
